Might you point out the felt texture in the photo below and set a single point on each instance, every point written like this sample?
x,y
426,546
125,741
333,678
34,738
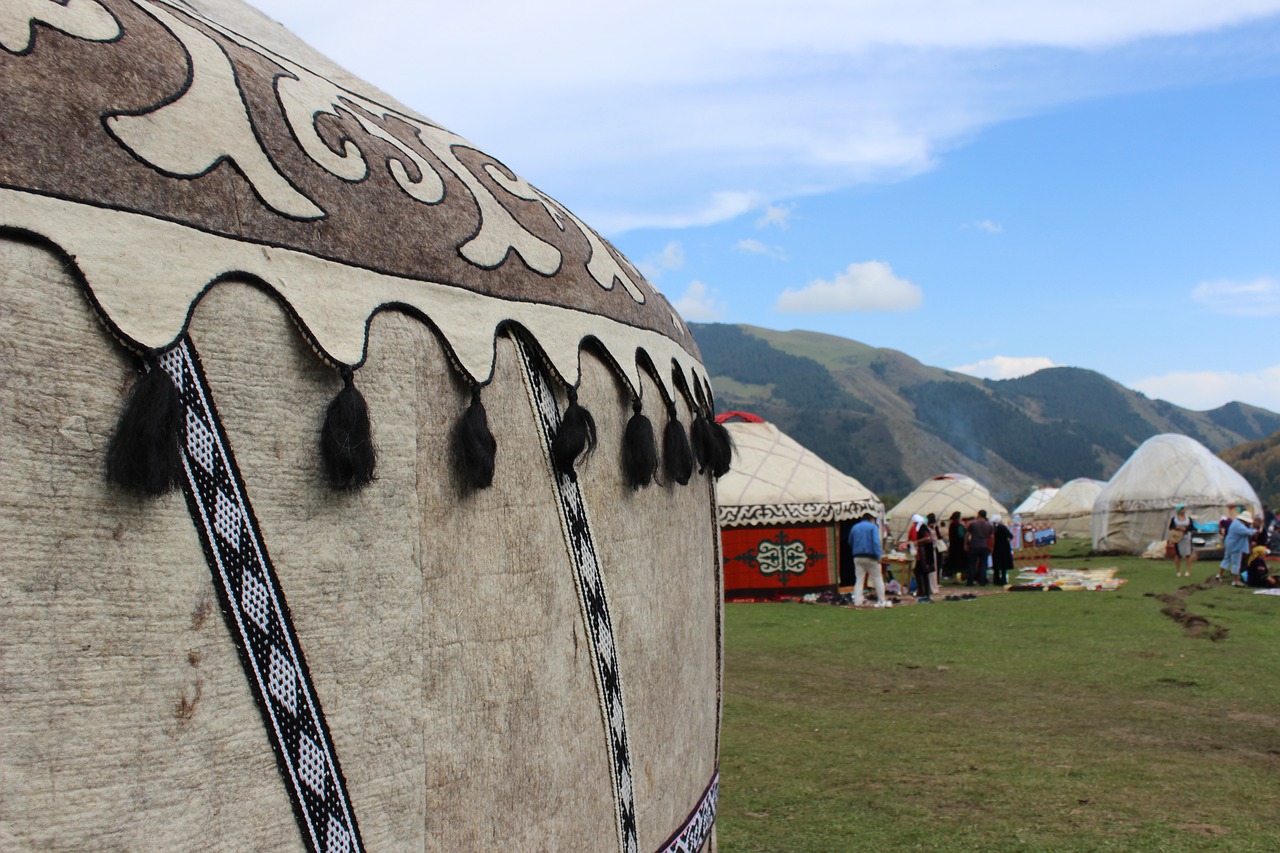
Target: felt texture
x,y
178,132
442,632
193,167
125,718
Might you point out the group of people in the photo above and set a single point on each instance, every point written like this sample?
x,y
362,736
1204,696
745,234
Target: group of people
x,y
967,551
975,545
1244,546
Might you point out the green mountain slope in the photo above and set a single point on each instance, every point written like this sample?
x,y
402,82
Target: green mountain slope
x,y
1259,462
890,421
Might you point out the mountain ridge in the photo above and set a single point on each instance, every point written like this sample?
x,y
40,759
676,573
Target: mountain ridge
x,y
891,421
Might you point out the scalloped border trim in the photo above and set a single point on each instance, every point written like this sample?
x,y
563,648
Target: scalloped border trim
x,y
121,253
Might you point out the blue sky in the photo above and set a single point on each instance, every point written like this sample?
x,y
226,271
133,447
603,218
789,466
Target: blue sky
x,y
985,185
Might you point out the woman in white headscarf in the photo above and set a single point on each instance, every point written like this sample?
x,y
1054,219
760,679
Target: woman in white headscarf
x,y
925,559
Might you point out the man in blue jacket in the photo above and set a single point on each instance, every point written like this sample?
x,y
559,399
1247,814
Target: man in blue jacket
x,y
864,542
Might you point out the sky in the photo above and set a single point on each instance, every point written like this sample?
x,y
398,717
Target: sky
x,y
990,186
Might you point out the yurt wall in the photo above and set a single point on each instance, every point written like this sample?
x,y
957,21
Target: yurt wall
x,y
1134,508
227,624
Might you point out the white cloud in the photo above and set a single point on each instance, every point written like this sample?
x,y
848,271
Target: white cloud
x,y
1257,298
670,258
869,286
1005,367
989,226
1207,389
755,247
570,96
776,215
700,303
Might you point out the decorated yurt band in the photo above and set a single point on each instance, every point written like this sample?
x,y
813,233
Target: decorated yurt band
x,y
143,455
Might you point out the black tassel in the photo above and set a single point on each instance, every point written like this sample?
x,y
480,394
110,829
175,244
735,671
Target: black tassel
x,y
144,454
704,443
639,449
474,445
723,459
677,456
346,441
577,433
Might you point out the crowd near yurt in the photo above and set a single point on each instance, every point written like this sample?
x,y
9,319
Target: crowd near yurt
x,y
347,477
943,495
784,513
1134,508
1069,510
1029,507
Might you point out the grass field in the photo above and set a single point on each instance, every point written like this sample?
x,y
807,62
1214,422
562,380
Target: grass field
x,y
1029,721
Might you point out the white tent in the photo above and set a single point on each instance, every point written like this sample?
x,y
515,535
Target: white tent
x,y
776,480
1034,501
781,512
1134,509
1069,510
943,495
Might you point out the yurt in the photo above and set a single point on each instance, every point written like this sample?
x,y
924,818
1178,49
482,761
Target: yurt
x,y
943,495
1068,512
1134,508
347,493
1029,507
783,512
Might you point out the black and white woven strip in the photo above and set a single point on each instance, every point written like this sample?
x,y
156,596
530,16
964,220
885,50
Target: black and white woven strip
x,y
258,616
693,834
591,598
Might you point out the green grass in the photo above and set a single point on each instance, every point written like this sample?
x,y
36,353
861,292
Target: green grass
x,y
1037,721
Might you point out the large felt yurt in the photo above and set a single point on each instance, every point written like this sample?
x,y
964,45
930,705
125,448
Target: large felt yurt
x,y
1034,501
1134,508
228,272
1068,512
943,495
783,512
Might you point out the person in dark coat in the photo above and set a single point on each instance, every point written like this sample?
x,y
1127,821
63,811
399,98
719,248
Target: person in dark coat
x,y
957,556
926,558
1001,551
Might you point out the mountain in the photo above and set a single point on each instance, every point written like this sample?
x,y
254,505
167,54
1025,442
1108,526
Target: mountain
x,y
1259,463
891,421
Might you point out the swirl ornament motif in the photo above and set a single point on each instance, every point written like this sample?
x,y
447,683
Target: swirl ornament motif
x,y
782,557
221,156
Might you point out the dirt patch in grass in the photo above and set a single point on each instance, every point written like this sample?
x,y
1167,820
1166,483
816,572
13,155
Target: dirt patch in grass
x,y
1204,830
1193,624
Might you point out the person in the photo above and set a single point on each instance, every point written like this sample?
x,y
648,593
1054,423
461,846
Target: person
x,y
979,539
1256,573
925,562
1001,551
1181,526
1236,545
939,552
956,559
864,543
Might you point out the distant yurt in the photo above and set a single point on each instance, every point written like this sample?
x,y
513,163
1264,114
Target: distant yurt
x,y
1034,501
1068,512
1134,508
303,544
782,512
943,495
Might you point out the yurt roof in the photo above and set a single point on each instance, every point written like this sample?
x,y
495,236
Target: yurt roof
x,y
1035,500
1075,498
775,480
201,142
1169,469
945,494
